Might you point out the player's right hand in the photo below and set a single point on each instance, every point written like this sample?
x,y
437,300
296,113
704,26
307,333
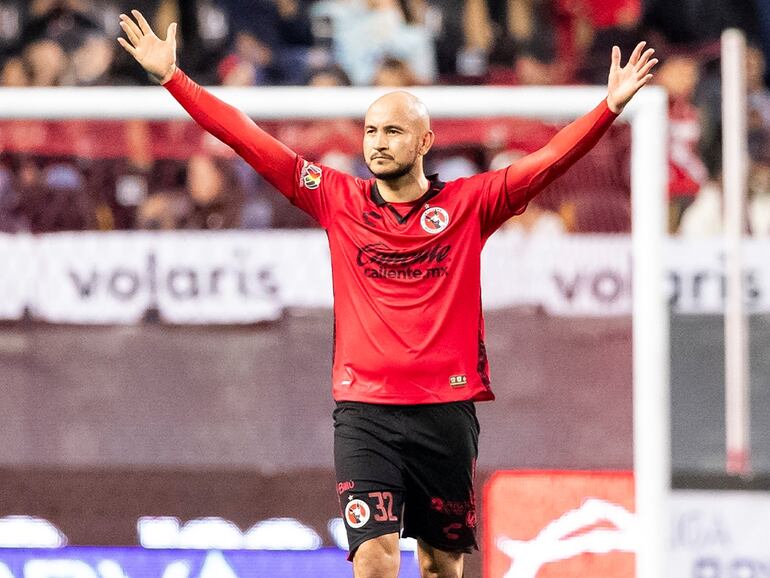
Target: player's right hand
x,y
158,57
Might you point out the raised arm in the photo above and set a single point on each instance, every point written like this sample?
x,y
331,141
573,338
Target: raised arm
x,y
269,157
531,174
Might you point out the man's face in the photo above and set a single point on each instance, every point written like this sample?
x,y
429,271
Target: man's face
x,y
393,138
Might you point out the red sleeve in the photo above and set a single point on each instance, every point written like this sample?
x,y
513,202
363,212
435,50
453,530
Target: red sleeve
x,y
279,165
506,192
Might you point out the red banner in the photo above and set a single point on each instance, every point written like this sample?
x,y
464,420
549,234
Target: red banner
x,y
559,524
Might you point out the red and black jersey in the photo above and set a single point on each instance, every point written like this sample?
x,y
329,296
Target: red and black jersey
x,y
407,276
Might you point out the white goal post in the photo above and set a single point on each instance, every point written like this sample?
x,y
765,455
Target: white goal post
x,y
647,115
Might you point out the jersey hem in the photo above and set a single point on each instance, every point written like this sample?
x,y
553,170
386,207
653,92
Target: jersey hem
x,y
482,395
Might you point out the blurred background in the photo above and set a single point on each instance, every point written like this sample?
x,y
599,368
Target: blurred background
x,y
166,326
161,176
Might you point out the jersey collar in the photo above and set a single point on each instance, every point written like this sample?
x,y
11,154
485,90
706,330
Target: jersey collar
x,y
434,189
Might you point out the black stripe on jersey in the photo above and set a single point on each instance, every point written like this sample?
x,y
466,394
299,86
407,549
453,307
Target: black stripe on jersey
x,y
482,365
435,188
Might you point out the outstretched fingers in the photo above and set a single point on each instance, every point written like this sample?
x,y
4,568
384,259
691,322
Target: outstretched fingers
x,y
645,70
645,58
131,50
130,31
132,26
637,53
142,22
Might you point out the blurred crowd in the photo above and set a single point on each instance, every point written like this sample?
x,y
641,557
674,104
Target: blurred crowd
x,y
388,43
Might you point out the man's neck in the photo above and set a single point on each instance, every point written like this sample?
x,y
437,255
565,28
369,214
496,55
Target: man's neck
x,y
405,189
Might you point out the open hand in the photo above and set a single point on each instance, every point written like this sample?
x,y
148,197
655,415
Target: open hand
x,y
158,57
625,82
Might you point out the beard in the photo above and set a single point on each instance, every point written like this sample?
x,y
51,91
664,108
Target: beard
x,y
390,174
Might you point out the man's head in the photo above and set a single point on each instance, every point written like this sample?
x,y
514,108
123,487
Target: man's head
x,y
397,135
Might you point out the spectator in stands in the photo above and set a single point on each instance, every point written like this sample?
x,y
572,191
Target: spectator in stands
x,y
703,217
274,35
54,197
329,76
12,220
12,14
236,71
164,211
533,70
527,23
42,29
216,196
687,172
759,198
364,32
394,73
48,63
15,73
63,21
763,25
251,60
546,32
465,43
757,93
92,61
698,21
458,27
610,23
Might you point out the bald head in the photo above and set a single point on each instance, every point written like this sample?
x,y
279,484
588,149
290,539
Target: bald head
x,y
396,135
403,106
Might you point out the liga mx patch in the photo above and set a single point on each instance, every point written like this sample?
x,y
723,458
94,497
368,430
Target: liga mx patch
x,y
434,219
357,513
310,176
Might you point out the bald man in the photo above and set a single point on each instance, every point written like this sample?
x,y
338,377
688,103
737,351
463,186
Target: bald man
x,y
409,354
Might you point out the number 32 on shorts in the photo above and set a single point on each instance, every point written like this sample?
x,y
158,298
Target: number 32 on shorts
x,y
357,511
384,507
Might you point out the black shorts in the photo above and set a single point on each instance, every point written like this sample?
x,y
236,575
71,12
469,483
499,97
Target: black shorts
x,y
407,466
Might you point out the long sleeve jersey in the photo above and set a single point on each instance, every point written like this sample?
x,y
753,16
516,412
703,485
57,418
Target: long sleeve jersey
x,y
408,323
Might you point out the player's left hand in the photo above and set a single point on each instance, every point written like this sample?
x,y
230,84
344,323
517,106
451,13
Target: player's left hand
x,y
624,82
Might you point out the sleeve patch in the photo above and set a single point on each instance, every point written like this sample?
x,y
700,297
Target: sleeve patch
x,y
310,176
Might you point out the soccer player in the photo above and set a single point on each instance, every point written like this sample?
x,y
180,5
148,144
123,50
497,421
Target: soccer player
x,y
409,355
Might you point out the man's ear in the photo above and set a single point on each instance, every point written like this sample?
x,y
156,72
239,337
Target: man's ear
x,y
426,142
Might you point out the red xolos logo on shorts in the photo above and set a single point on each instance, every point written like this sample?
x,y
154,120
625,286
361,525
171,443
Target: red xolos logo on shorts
x,y
356,513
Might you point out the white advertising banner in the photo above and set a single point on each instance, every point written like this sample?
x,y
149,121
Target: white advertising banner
x,y
590,275
723,534
246,277
185,277
91,278
696,274
17,274
574,275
